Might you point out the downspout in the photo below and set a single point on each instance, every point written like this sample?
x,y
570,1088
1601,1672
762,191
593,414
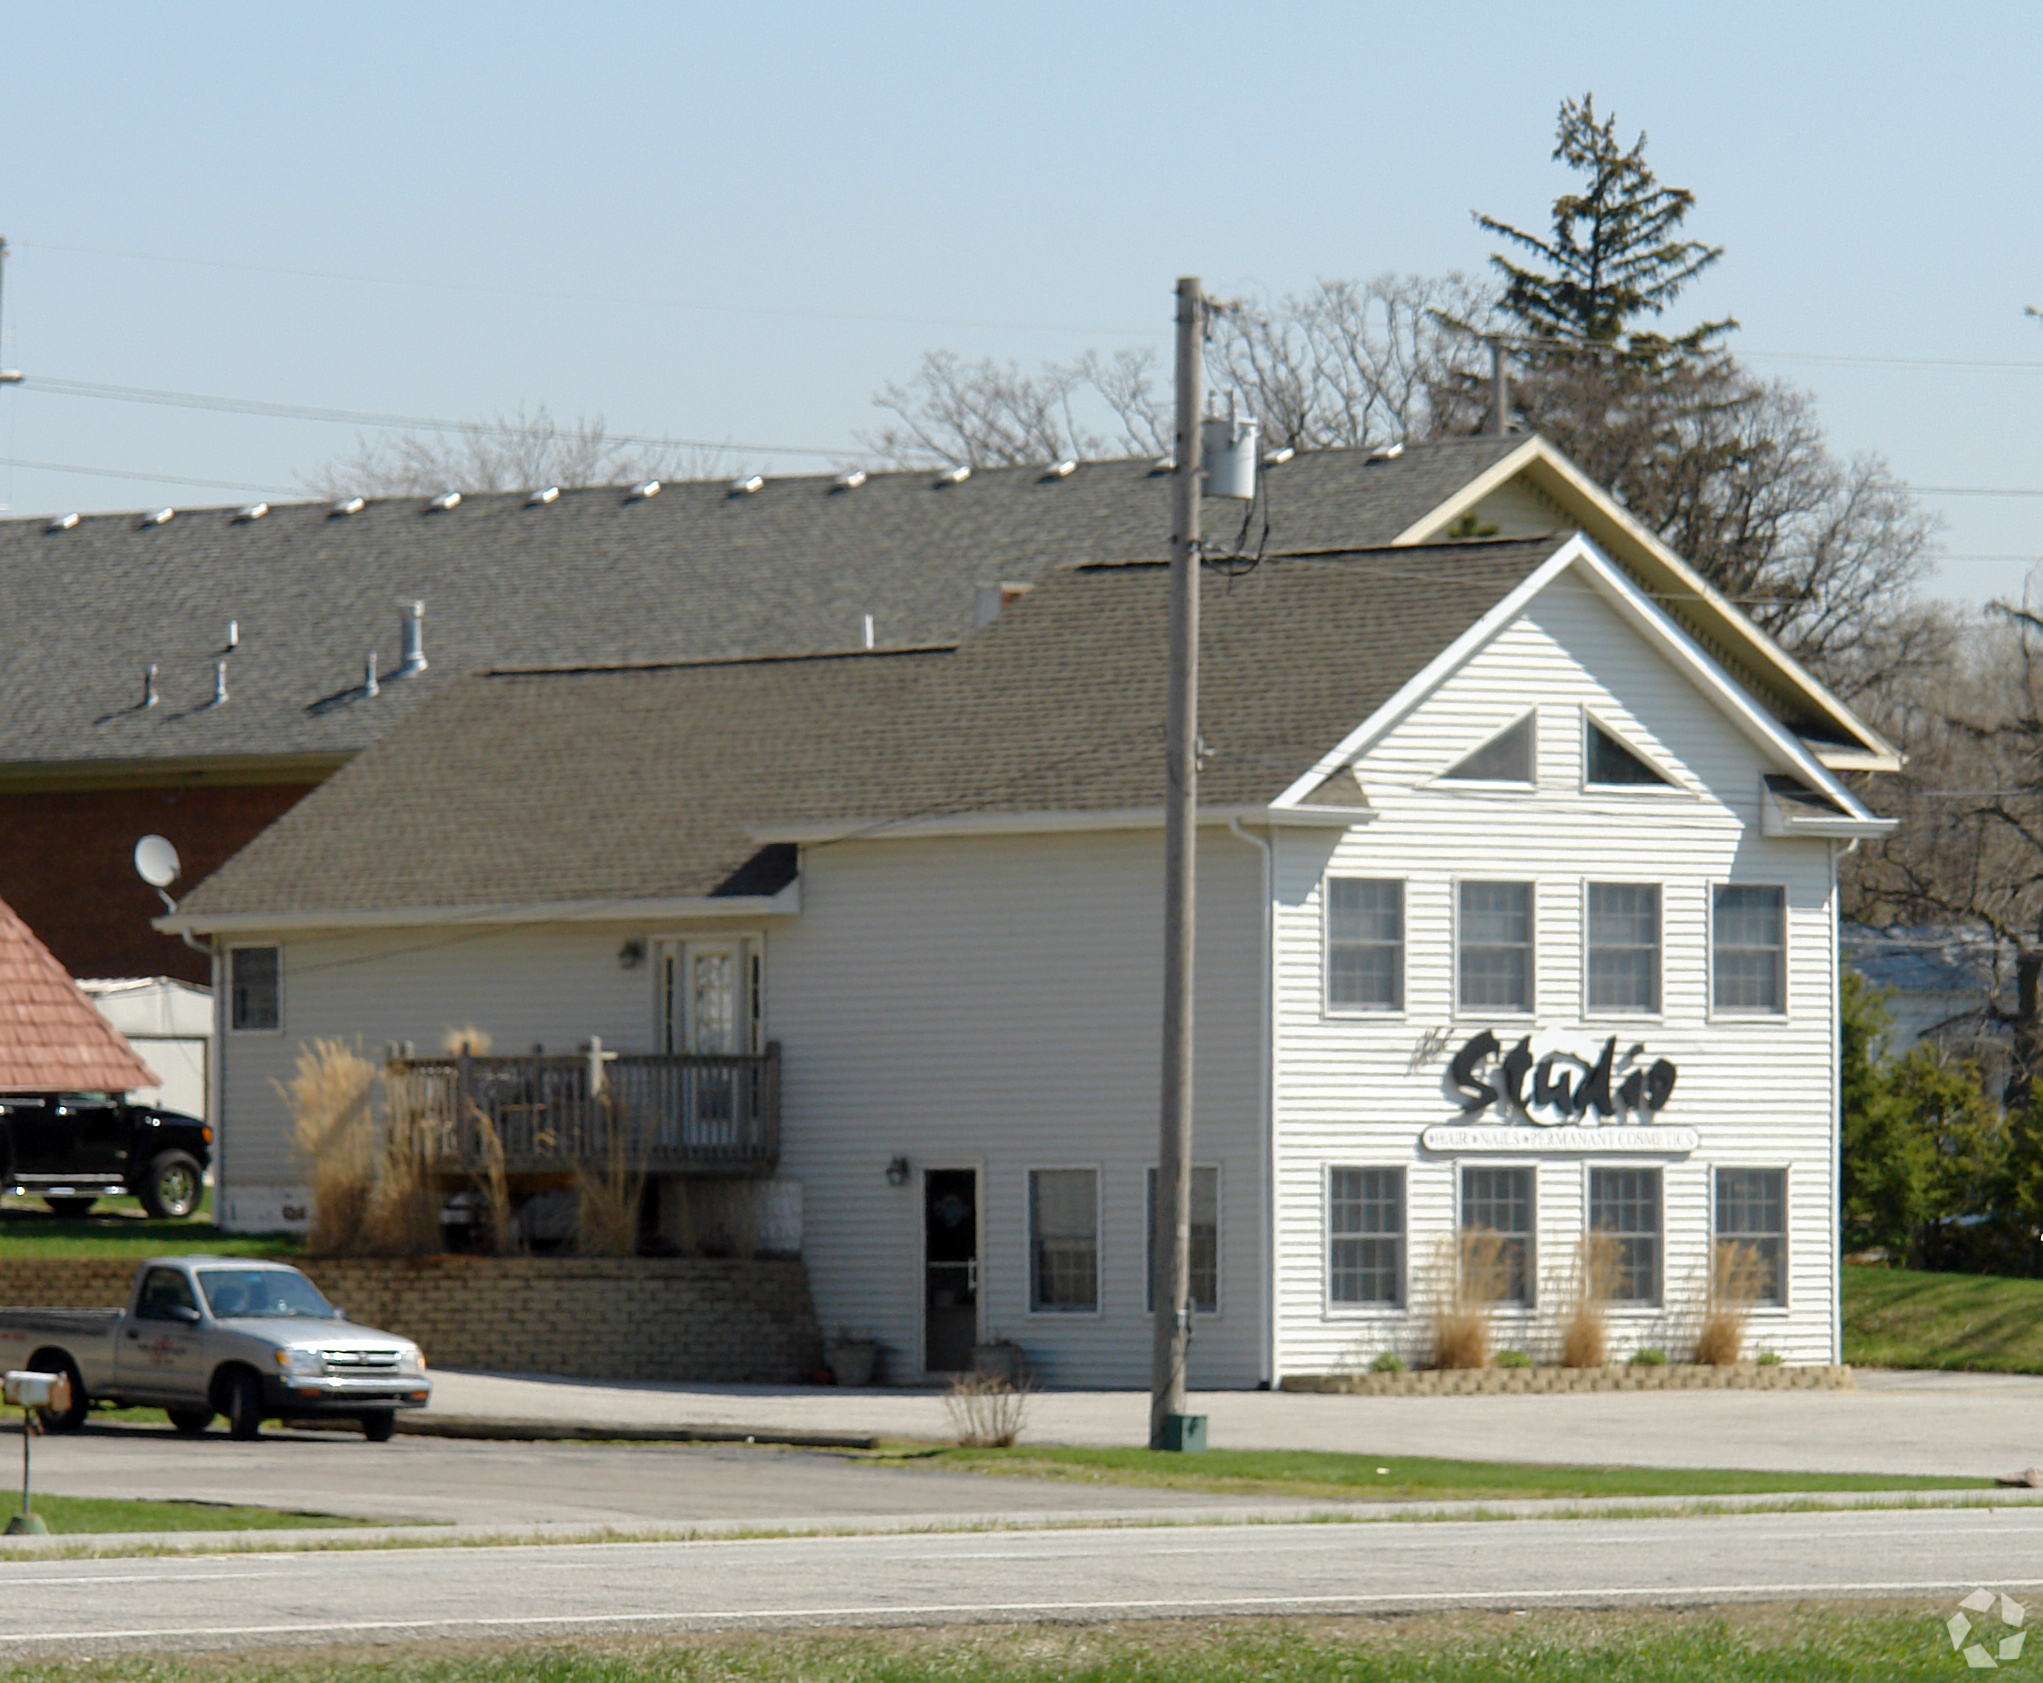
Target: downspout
x,y
216,1084
1266,1261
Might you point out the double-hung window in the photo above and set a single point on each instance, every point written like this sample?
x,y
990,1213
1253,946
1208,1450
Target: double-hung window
x,y
1497,1232
1752,1225
1749,948
1365,944
255,988
1365,1238
1493,961
1064,1240
1624,946
1624,1215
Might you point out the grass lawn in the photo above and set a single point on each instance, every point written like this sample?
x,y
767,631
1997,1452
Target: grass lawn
x,y
1371,1478
118,1227
90,1514
1899,1317
1759,1644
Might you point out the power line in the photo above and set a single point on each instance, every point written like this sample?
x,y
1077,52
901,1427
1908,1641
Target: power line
x,y
1893,361
502,291
367,417
1975,491
154,478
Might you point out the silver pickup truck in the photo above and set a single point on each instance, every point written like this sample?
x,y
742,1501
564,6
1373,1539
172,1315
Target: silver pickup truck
x,y
207,1335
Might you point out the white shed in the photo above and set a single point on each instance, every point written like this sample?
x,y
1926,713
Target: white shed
x,y
170,1025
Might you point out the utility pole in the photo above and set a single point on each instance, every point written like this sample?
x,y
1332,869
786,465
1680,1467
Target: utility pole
x,y
1171,1222
1500,390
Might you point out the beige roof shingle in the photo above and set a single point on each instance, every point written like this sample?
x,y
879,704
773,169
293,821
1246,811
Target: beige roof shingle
x,y
51,1038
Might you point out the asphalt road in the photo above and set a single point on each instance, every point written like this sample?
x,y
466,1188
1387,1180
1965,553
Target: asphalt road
x,y
469,1482
227,1601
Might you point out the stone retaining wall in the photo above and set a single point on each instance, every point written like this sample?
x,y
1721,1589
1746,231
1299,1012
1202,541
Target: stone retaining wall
x,y
686,1318
1675,1376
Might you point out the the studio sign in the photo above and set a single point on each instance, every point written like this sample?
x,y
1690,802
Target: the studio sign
x,y
1551,1084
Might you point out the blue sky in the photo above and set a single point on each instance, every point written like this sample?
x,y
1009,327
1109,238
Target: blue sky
x,y
735,223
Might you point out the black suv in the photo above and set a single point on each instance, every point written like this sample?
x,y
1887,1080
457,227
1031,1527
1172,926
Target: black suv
x,y
72,1148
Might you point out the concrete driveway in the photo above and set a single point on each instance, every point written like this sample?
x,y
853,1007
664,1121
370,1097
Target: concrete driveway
x,y
1979,1425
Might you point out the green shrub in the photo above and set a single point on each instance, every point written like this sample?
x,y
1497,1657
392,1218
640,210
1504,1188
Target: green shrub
x,y
1389,1362
1768,1358
1513,1358
1649,1358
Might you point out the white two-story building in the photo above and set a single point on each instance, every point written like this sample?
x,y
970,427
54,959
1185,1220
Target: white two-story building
x,y
1517,912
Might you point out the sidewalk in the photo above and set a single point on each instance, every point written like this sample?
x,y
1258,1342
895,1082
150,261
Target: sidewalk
x,y
1974,1425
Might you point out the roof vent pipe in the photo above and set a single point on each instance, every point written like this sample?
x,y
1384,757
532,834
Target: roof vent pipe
x,y
868,630
219,684
149,695
233,635
369,684
414,640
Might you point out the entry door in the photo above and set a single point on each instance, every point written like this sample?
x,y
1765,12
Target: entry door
x,y
710,1009
950,1249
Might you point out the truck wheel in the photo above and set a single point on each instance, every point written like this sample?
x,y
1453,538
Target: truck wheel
x,y
55,1361
240,1396
170,1188
379,1426
190,1421
70,1209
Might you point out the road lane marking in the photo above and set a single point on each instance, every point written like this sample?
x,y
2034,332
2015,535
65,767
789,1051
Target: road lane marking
x,y
900,1610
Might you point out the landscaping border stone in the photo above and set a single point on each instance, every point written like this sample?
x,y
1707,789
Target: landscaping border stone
x,y
1543,1381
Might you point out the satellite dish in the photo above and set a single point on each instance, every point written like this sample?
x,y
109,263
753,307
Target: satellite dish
x,y
156,861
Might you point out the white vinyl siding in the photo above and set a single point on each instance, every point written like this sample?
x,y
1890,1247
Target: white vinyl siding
x,y
1352,1089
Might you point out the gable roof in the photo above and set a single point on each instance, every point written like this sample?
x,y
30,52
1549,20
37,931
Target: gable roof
x,y
521,792
593,578
51,1038
1833,732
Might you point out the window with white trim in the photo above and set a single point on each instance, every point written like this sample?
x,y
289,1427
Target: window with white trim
x,y
1751,1215
1493,961
1624,946
1365,944
1497,1230
1365,1238
1625,1213
1064,1240
255,988
1748,947
1204,1273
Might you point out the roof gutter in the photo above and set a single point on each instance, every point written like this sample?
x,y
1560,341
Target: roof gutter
x,y
787,903
1046,823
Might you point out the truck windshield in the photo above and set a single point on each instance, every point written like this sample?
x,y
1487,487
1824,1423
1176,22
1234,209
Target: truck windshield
x,y
235,1293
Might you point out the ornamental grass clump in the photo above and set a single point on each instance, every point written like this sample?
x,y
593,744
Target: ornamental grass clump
x,y
610,1195
1734,1286
1475,1271
332,1103
1585,1328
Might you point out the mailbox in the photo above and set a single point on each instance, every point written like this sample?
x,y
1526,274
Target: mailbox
x,y
39,1390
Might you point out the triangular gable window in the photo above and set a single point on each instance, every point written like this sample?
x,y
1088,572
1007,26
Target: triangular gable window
x,y
1610,761
1506,758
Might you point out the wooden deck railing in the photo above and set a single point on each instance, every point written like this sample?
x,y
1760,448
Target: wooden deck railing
x,y
671,1112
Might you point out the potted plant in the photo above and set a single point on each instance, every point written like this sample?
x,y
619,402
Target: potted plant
x,y
852,1356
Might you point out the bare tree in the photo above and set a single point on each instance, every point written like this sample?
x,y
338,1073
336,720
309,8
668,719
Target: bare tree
x,y
984,414
512,452
1968,851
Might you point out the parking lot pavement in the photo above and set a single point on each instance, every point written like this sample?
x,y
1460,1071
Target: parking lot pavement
x,y
1971,1425
518,1485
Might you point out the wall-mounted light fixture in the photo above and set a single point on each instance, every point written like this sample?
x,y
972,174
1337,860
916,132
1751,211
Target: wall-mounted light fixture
x,y
631,955
897,1172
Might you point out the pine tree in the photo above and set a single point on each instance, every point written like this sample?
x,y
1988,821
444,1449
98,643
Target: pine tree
x,y
1614,256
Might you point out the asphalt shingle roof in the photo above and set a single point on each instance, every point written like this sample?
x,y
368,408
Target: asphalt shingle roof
x,y
522,788
51,1038
592,578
